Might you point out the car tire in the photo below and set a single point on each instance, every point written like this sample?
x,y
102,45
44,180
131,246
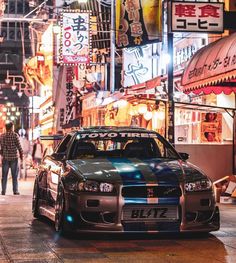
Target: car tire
x,y
35,200
61,224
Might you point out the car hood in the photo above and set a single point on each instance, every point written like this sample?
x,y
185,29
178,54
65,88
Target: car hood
x,y
127,171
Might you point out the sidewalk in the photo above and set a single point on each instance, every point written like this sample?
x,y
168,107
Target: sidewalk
x,y
25,186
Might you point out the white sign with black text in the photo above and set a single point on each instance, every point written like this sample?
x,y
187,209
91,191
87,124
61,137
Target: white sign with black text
x,y
197,17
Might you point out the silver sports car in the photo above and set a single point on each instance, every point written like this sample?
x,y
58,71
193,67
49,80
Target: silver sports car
x,y
122,179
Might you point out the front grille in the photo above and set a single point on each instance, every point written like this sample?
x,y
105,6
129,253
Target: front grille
x,y
157,191
98,217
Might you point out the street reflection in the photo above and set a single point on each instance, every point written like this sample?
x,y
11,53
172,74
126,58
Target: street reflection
x,y
184,247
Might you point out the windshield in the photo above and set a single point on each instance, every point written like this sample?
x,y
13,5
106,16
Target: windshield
x,y
121,145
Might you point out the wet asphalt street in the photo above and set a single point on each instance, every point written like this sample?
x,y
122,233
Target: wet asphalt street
x,y
25,239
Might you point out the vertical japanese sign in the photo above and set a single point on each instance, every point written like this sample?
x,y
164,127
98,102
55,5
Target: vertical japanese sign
x,y
69,94
75,38
197,17
136,66
138,22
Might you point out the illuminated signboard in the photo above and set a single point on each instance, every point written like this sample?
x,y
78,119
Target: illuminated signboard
x,y
136,65
197,17
75,37
138,22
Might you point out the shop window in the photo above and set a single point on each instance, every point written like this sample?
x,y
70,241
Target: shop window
x,y
12,7
194,126
4,30
20,6
12,31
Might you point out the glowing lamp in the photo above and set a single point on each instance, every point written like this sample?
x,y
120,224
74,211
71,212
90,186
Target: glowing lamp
x,y
120,104
13,87
142,108
20,93
131,112
161,115
147,116
7,81
56,29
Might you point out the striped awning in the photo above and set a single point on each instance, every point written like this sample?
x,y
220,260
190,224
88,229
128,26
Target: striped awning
x,y
212,69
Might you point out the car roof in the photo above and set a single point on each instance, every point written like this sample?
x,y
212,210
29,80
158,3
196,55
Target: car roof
x,y
114,129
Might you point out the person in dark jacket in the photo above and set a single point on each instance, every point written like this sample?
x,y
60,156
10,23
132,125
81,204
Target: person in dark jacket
x,y
10,146
37,153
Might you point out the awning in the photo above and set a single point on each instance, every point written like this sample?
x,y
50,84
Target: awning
x,y
212,69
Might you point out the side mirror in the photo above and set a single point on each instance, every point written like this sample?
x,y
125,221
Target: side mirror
x,y
184,156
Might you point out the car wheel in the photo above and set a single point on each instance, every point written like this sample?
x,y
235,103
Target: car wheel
x,y
35,200
61,224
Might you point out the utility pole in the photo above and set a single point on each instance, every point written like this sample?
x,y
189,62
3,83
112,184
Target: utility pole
x,y
170,73
112,48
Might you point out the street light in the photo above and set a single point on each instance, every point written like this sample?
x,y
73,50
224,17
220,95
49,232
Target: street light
x,y
10,112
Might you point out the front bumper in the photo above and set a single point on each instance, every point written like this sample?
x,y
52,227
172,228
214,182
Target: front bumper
x,y
94,212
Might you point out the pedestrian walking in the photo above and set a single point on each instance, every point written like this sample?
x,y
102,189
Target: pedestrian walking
x,y
26,150
37,153
10,146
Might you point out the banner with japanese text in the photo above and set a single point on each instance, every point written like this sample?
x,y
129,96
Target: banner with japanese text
x,y
75,37
138,22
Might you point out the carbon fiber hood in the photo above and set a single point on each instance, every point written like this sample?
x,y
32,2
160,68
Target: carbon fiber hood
x,y
125,171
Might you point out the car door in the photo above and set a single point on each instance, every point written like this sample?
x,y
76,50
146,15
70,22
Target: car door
x,y
55,163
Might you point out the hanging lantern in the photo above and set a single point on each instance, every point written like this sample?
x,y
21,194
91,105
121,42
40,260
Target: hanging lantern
x,y
161,115
120,104
147,116
142,108
131,112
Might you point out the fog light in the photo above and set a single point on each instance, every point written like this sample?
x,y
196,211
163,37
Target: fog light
x,y
69,218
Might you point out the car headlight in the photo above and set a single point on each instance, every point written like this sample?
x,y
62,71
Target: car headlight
x,y
199,185
105,187
93,186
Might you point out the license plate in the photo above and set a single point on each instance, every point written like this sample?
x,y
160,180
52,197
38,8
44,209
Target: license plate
x,y
145,213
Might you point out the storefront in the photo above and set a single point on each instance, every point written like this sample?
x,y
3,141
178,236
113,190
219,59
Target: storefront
x,y
46,117
93,108
38,72
137,107
204,127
